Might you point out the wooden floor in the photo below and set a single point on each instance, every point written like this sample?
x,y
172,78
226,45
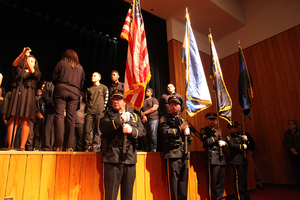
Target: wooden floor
x,y
79,176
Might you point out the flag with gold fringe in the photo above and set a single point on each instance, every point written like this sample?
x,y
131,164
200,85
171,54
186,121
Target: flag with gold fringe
x,y
197,96
245,83
137,73
224,103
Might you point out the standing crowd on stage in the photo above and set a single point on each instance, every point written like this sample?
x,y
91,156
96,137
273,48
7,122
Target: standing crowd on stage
x,y
59,116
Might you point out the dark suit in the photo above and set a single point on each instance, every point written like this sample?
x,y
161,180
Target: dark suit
x,y
292,140
216,163
119,170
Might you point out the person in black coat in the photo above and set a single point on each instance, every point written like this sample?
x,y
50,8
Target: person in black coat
x,y
68,79
175,129
24,101
213,142
292,143
119,166
47,97
237,158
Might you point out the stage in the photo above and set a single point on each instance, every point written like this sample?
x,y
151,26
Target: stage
x,y
41,175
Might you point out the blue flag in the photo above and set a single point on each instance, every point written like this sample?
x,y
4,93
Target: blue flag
x,y
224,103
245,83
197,96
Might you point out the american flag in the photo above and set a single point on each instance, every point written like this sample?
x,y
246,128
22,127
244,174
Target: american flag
x,y
137,74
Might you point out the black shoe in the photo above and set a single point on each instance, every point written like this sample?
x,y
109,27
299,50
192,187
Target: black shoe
x,y
297,189
260,187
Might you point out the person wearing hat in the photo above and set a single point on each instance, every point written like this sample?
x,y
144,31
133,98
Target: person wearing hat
x,y
163,102
238,144
119,168
174,129
213,142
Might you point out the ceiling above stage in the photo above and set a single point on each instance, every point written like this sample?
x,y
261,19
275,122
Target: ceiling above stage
x,y
221,16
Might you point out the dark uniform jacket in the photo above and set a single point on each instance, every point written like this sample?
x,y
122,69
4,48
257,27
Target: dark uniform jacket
x,y
292,140
174,138
236,156
211,145
112,131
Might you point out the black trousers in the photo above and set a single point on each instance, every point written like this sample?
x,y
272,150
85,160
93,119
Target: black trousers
x,y
29,143
38,134
241,184
78,140
116,174
295,162
178,172
216,180
64,100
49,130
90,120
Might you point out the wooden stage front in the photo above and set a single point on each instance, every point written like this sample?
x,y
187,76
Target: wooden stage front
x,y
31,175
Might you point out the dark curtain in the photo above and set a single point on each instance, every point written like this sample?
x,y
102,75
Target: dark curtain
x,y
49,37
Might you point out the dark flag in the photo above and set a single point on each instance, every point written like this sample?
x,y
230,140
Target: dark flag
x,y
223,99
245,83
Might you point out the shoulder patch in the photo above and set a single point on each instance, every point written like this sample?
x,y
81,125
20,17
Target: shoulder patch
x,y
202,131
228,137
162,119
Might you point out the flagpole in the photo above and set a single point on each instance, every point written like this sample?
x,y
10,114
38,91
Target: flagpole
x,y
243,116
218,119
185,137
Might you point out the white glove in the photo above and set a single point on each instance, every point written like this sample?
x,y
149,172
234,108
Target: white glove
x,y
187,131
245,137
245,146
125,117
127,128
221,143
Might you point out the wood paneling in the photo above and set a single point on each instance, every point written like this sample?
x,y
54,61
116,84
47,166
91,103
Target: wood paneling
x,y
15,180
4,173
274,67
51,175
33,177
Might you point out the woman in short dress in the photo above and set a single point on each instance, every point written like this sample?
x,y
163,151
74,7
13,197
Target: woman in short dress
x,y
26,106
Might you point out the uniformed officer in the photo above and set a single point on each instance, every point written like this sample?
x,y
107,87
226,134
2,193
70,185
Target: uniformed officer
x,y
213,142
238,160
175,129
119,168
